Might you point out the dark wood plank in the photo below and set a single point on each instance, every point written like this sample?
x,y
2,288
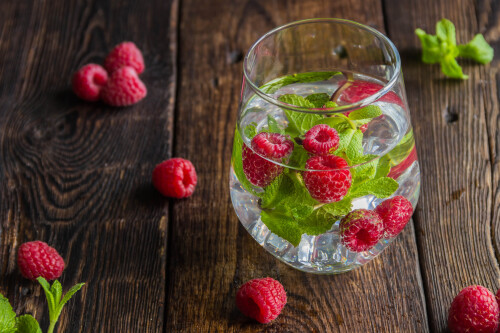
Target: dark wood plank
x,y
210,254
77,174
456,128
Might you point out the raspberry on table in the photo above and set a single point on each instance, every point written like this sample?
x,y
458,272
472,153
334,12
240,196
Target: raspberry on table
x,y
321,140
331,179
261,299
88,82
474,309
259,171
37,258
395,213
361,229
124,54
123,88
175,178
359,90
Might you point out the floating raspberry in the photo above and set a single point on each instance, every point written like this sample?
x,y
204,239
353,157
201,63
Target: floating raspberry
x,y
397,170
175,178
123,88
359,90
273,146
360,230
88,82
395,213
125,54
37,259
474,309
321,140
261,299
330,185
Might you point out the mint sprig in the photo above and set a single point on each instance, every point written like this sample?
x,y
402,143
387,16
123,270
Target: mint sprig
x,y
272,86
442,48
55,299
27,324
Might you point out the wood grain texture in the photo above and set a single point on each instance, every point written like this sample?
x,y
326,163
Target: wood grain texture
x,y
456,128
210,254
77,174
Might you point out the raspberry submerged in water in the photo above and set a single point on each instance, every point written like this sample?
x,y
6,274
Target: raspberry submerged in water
x,y
321,140
261,299
359,90
332,182
175,178
361,229
474,309
88,82
259,171
395,213
37,259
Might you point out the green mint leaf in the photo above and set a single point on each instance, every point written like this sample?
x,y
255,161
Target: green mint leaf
x,y
27,324
375,168
317,223
477,49
280,223
7,316
368,112
451,68
345,138
383,167
48,294
355,148
272,86
381,188
338,123
299,157
73,290
273,126
295,100
237,164
273,193
318,100
431,51
445,32
250,130
56,290
402,149
339,208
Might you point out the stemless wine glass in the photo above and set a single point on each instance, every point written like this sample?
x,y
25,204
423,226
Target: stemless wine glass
x,y
324,171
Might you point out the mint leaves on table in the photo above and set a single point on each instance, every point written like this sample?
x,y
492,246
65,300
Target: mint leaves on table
x,y
272,86
26,323
442,48
288,210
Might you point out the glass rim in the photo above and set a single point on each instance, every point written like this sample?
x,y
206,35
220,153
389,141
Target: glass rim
x,y
342,108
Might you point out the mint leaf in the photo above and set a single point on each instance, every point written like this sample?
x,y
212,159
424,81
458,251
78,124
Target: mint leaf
x,y
451,68
477,49
295,100
445,32
56,290
272,86
368,112
355,148
27,324
70,294
431,50
381,188
339,208
273,126
250,130
280,223
299,157
7,316
383,167
318,100
319,222
237,163
273,193
345,138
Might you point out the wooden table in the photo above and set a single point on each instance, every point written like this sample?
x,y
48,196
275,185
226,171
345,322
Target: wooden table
x,y
77,174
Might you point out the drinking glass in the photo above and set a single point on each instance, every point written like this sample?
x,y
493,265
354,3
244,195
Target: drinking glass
x,y
324,171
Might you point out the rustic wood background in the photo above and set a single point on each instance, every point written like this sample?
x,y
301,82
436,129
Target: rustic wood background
x,y
77,174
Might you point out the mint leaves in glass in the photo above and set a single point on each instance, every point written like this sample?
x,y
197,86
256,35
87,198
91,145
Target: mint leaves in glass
x,y
323,136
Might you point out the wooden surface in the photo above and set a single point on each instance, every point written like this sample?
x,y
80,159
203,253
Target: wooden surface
x,y
77,174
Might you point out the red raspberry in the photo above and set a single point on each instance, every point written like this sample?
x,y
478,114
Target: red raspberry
x,y
175,178
125,54
331,184
123,88
359,90
397,170
361,229
37,259
498,297
88,81
273,146
321,140
261,299
474,309
395,213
